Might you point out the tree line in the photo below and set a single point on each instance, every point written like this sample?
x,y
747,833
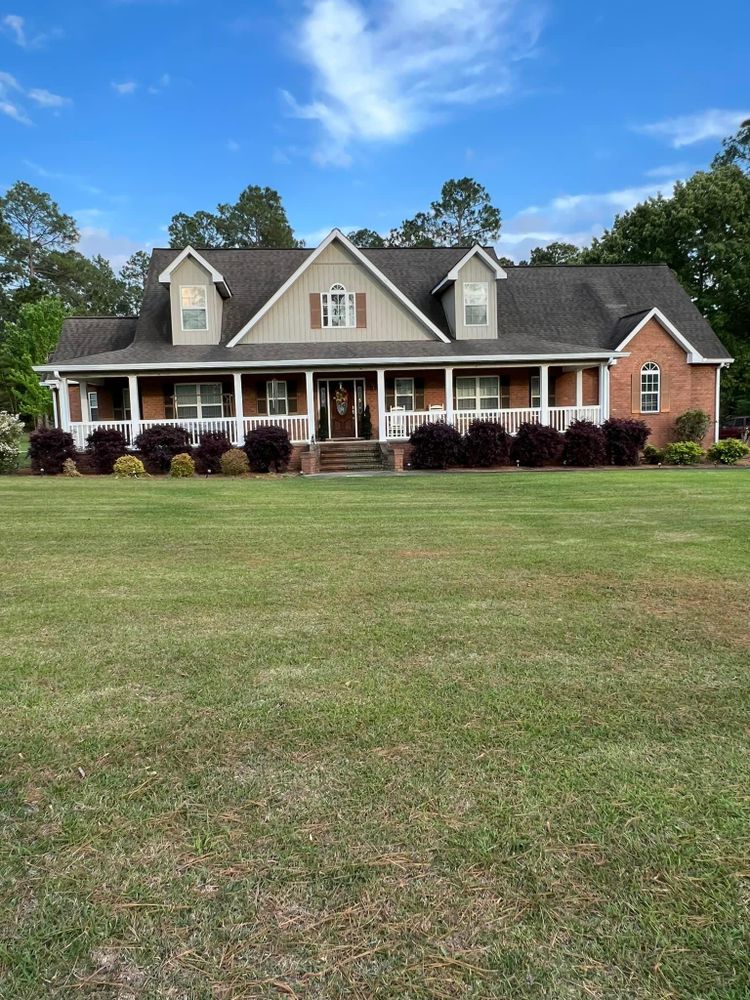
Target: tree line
x,y
702,231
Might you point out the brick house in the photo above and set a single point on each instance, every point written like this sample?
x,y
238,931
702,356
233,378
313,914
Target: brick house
x,y
309,339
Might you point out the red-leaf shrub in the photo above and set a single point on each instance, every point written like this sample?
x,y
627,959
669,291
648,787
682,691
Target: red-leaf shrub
x,y
730,432
435,446
486,444
537,444
585,444
159,444
208,453
105,445
268,448
48,449
625,440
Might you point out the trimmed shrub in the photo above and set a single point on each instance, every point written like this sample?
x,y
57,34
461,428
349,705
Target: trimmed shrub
x,y
105,445
365,425
129,467
625,439
48,449
692,425
234,462
683,453
585,444
268,448
208,453
728,451
182,467
11,429
652,455
537,444
70,469
159,444
485,444
435,446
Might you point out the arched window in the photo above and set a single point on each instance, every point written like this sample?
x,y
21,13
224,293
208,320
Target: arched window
x,y
337,307
650,387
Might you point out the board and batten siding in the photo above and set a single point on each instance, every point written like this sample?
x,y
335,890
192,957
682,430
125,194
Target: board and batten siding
x,y
473,270
189,272
289,321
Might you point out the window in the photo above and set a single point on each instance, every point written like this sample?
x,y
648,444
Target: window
x,y
198,400
650,377
276,394
126,404
535,391
338,307
93,405
193,307
404,393
476,296
481,393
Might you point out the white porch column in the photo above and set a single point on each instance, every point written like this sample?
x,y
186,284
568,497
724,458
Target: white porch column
x,y
717,403
312,429
380,373
239,411
64,404
55,406
579,388
135,407
604,392
83,391
449,395
544,394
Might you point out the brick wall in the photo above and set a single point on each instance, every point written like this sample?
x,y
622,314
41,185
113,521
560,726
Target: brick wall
x,y
684,386
74,395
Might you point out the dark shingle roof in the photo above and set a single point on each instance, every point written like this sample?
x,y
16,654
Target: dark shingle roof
x,y
541,310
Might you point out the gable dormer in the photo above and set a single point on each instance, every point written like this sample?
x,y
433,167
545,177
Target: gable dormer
x,y
196,293
468,294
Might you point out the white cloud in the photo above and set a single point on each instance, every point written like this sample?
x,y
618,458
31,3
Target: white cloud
x,y
385,73
46,99
12,93
13,111
165,80
15,26
669,170
98,240
127,87
685,130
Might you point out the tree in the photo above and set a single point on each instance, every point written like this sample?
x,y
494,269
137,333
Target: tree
x,y
735,149
554,253
257,219
133,274
30,341
463,215
416,232
366,238
34,227
85,285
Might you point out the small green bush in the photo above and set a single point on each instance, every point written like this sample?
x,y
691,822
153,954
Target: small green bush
x,y
129,467
652,455
692,426
182,466
728,451
235,462
683,453
70,469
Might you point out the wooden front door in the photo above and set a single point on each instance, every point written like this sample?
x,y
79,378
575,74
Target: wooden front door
x,y
341,403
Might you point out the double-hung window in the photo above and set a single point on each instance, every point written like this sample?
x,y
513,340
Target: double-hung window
x,y
650,387
277,397
338,307
93,400
404,393
193,307
476,298
480,393
198,400
535,391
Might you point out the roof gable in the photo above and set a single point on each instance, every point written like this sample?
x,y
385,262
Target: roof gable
x,y
165,278
475,251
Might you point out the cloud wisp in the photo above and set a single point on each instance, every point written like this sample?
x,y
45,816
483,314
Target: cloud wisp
x,y
13,95
381,75
14,26
686,130
125,88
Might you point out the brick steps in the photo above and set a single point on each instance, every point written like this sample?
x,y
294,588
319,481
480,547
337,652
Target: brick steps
x,y
350,456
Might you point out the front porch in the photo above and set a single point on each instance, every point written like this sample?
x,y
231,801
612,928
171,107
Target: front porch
x,y
311,406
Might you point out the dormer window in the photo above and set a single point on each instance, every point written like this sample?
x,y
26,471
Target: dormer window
x,y
476,298
193,307
338,307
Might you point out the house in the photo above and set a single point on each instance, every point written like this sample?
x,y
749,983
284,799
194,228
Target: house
x,y
228,340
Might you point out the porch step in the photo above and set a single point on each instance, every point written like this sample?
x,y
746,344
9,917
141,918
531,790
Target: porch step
x,y
350,456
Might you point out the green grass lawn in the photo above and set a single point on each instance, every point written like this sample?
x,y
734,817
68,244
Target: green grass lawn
x,y
439,736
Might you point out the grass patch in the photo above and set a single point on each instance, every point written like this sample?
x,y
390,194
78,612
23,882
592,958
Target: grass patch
x,y
450,736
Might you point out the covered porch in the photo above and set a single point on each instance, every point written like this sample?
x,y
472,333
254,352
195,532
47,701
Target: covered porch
x,y
330,404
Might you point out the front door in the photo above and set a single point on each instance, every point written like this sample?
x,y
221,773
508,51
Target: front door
x,y
341,403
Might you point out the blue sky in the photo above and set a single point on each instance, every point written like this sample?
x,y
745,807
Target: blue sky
x,y
128,111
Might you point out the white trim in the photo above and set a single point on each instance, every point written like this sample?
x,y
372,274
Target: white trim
x,y
310,399
135,405
83,394
449,401
472,305
477,397
165,278
204,307
380,379
579,387
239,408
64,393
694,355
653,368
544,394
476,250
336,234
412,393
350,307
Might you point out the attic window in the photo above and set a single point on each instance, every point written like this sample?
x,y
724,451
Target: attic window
x,y
338,307
476,297
193,307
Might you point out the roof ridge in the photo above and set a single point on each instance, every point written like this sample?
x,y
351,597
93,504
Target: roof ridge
x,y
101,316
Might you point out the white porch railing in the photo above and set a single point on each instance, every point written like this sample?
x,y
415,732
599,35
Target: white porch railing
x,y
561,417
198,427
82,428
510,418
295,425
401,424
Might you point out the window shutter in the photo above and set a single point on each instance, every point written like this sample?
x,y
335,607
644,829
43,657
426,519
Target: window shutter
x,y
664,395
418,393
169,406
361,304
315,321
635,392
390,393
262,402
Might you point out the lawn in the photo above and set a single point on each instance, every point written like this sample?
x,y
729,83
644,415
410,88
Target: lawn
x,y
438,736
